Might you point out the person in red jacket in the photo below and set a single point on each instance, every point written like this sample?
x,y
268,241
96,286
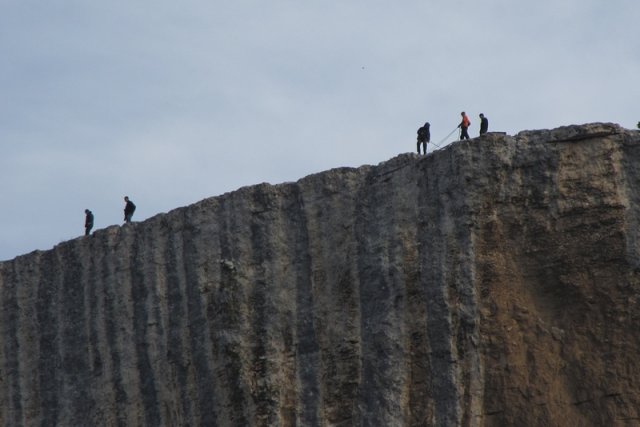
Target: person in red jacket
x,y
464,126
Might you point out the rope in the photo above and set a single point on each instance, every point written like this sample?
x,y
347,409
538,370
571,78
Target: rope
x,y
443,139
446,137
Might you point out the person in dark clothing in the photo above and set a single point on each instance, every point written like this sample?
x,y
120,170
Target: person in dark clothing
x,y
484,124
638,125
424,136
88,221
464,126
129,209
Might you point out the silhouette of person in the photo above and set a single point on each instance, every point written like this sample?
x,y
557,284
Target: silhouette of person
x,y
464,126
88,221
424,136
484,124
129,209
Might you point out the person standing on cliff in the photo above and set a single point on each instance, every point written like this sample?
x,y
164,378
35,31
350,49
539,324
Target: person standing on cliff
x,y
484,124
424,136
129,209
88,221
464,126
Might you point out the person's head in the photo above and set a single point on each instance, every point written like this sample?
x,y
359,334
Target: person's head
x,y
126,198
87,211
427,124
463,113
481,116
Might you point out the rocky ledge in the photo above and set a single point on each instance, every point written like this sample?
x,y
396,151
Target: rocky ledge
x,y
494,282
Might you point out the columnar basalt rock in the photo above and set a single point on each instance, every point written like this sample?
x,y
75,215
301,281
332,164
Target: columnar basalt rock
x,y
494,282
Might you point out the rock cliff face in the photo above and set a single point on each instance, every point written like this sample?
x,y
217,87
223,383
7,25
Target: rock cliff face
x,y
494,282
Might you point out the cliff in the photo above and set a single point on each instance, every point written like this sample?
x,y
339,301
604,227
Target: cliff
x,y
494,282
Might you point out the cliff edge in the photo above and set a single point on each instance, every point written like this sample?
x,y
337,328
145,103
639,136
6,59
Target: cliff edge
x,y
494,282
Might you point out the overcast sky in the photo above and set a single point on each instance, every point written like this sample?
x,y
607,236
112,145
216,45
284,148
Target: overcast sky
x,y
170,102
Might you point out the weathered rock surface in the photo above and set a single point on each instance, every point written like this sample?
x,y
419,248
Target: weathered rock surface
x,y
494,282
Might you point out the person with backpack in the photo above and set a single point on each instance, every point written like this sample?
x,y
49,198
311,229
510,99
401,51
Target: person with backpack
x,y
464,126
88,221
484,124
424,136
129,209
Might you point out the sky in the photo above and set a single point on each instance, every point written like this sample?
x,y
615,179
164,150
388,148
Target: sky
x,y
172,102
